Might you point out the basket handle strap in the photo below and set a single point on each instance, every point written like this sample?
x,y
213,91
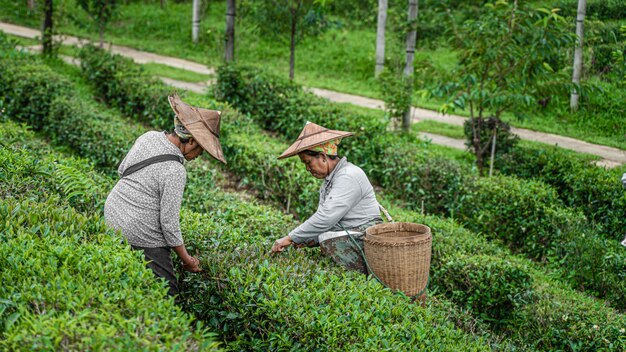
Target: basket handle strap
x,y
389,218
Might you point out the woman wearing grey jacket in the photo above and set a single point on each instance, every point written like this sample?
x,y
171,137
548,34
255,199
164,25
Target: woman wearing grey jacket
x,y
347,200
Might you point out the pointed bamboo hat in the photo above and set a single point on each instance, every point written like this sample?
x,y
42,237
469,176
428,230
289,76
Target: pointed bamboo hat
x,y
311,136
203,124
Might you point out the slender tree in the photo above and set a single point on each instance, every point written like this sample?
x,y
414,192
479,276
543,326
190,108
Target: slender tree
x,y
30,4
195,21
229,47
101,12
578,53
47,27
291,21
505,57
380,36
410,55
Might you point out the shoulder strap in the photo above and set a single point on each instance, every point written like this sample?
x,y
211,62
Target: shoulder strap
x,y
154,160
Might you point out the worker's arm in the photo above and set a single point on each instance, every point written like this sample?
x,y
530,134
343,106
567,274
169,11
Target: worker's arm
x,y
190,263
343,196
172,186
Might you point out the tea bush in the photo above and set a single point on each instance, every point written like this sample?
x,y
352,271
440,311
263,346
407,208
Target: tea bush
x,y
28,89
443,333
74,286
549,316
224,320
66,118
597,192
399,159
470,280
125,85
230,229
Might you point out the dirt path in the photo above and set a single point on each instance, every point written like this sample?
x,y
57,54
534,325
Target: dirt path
x,y
611,156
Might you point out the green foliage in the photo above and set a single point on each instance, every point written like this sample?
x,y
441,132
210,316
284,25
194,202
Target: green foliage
x,y
472,281
396,91
275,18
50,105
100,12
125,85
593,190
600,9
28,89
69,274
493,79
526,214
485,129
241,285
234,225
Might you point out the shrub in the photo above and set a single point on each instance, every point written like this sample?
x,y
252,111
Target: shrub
x,y
125,85
91,132
233,240
233,319
481,208
505,140
489,286
69,274
595,191
29,89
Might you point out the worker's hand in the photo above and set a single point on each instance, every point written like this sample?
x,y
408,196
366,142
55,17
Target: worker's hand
x,y
192,265
281,244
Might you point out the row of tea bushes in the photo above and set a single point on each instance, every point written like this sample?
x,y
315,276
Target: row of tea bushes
x,y
246,135
596,191
68,284
507,291
210,236
424,180
64,273
33,93
123,84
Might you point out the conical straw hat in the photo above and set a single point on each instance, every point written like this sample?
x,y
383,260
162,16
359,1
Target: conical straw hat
x,y
203,124
311,136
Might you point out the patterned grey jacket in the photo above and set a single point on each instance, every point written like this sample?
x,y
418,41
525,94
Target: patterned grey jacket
x,y
145,205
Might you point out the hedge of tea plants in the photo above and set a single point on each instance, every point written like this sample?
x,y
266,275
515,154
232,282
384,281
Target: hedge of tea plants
x,y
409,325
596,191
571,335
543,225
68,282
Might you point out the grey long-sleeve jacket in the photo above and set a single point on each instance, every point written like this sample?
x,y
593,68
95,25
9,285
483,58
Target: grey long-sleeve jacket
x,y
145,205
346,197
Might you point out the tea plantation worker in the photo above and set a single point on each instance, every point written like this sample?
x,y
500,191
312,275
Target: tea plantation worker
x,y
347,200
145,203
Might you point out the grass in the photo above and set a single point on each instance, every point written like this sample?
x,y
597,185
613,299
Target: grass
x,y
341,59
453,131
175,73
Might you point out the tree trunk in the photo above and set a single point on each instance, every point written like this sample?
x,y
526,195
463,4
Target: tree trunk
x,y
101,32
493,150
47,28
292,45
31,4
195,21
380,36
578,53
229,47
163,3
476,129
410,54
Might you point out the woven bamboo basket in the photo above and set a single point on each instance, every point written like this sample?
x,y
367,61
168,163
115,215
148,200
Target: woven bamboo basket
x,y
398,254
